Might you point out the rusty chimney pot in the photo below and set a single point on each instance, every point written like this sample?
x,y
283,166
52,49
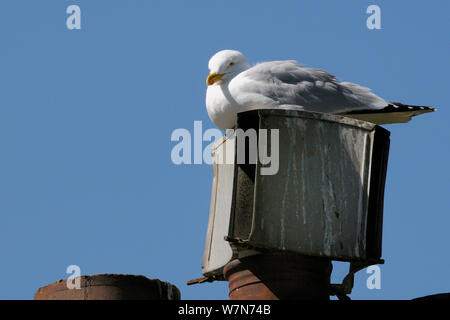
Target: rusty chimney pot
x,y
110,287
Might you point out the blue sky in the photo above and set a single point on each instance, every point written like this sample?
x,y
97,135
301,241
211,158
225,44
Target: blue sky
x,y
86,117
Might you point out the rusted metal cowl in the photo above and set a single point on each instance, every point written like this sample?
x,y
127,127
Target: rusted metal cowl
x,y
279,276
110,287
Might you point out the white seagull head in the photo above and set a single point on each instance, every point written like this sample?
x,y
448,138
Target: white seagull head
x,y
225,65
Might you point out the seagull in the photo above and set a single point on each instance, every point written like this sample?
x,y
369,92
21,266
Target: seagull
x,y
233,86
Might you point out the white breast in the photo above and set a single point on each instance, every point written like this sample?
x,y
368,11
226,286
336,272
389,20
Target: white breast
x,y
221,108
224,101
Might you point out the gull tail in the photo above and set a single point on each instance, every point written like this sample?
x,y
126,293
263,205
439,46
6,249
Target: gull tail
x,y
394,112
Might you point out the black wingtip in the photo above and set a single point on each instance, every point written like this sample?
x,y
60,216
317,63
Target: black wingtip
x,y
398,106
395,107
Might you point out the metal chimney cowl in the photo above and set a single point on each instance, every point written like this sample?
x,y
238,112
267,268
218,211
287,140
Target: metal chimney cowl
x,y
326,199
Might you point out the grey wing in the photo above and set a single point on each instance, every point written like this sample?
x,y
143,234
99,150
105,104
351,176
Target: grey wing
x,y
316,90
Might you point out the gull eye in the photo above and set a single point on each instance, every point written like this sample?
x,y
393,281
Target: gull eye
x,y
231,64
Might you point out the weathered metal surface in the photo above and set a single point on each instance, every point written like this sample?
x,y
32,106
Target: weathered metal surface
x,y
326,199
218,251
318,202
278,276
110,287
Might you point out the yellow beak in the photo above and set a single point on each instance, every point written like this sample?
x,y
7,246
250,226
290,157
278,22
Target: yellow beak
x,y
213,78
